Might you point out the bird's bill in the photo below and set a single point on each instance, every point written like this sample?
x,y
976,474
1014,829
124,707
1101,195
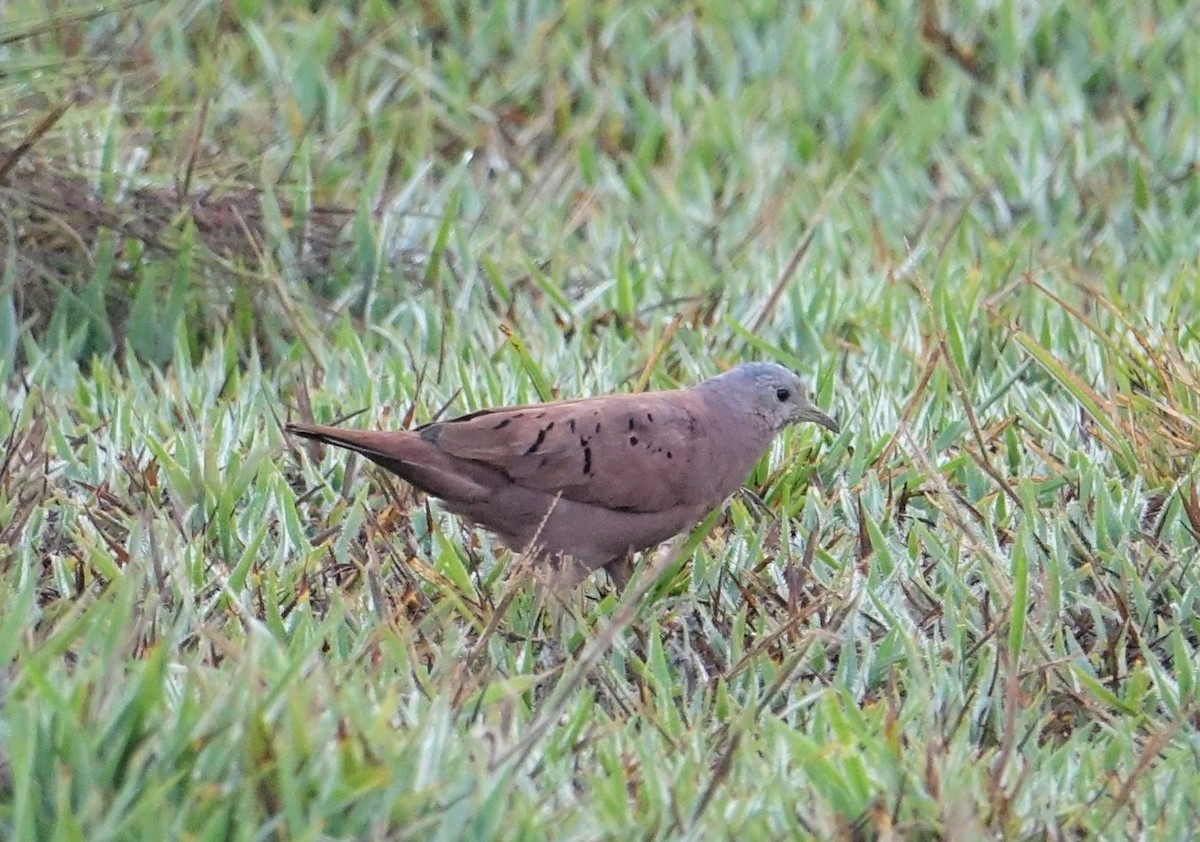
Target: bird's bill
x,y
819,417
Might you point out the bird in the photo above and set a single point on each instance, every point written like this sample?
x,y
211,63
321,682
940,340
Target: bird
x,y
586,483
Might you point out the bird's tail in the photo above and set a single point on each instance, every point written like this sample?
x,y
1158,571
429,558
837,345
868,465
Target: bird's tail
x,y
404,453
389,449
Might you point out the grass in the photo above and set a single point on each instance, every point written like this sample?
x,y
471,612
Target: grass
x,y
971,613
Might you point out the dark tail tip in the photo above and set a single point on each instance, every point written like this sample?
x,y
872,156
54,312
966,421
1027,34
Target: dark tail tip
x,y
316,432
303,430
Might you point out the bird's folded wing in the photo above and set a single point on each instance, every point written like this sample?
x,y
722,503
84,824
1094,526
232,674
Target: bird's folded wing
x,y
641,452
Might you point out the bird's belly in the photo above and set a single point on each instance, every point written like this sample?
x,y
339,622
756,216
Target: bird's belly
x,y
591,535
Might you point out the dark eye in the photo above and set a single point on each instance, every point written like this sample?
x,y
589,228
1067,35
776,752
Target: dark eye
x,y
783,395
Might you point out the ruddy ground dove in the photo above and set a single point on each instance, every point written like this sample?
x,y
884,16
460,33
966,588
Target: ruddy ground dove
x,y
585,483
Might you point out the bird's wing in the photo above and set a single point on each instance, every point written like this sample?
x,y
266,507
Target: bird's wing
x,y
644,452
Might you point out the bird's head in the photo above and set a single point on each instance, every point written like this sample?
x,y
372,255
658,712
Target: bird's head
x,y
774,392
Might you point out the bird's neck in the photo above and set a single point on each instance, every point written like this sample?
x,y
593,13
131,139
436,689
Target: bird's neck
x,y
750,432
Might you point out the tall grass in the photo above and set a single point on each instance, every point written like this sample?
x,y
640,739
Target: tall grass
x,y
973,228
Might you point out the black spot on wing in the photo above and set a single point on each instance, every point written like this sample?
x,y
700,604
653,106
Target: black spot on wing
x,y
503,424
541,437
430,432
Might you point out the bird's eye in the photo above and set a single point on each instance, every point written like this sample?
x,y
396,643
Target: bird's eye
x,y
783,395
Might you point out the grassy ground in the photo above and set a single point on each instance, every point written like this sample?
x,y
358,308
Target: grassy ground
x,y
975,228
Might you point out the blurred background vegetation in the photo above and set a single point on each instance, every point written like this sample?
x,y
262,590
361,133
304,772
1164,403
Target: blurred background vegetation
x,y
973,226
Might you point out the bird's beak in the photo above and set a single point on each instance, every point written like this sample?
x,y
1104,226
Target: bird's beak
x,y
818,417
